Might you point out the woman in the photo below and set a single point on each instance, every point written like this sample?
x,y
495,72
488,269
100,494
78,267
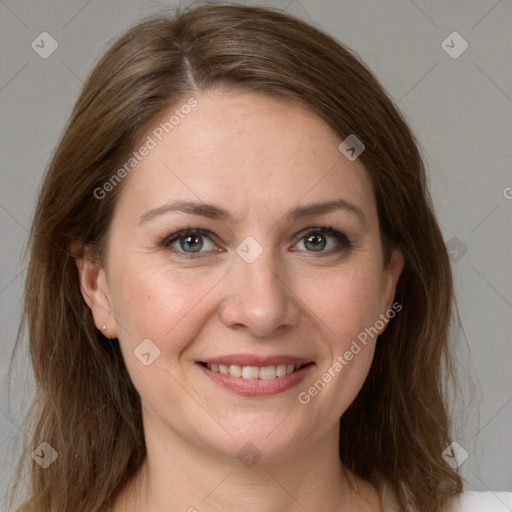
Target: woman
x,y
238,296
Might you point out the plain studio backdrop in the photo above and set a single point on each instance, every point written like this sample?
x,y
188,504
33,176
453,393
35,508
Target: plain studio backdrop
x,y
446,65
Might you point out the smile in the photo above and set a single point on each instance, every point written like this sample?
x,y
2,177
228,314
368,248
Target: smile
x,y
254,376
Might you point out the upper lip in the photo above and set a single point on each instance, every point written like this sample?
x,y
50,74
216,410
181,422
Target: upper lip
x,y
255,360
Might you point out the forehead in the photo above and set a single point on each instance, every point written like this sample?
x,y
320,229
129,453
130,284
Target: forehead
x,y
244,150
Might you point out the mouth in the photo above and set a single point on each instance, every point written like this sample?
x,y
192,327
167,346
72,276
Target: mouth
x,y
256,376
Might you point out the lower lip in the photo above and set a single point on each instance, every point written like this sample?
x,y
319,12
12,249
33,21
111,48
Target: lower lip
x,y
257,387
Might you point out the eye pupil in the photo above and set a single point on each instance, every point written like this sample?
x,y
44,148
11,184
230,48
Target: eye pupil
x,y
315,242
191,243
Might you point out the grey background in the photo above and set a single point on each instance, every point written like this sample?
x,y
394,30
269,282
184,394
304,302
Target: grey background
x,y
460,109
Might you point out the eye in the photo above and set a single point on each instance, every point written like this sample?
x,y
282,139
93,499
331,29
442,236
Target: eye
x,y
324,239
190,241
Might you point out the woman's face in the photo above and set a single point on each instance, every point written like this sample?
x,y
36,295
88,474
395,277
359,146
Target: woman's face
x,y
284,267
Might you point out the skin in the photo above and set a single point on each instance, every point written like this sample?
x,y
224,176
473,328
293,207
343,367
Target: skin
x,y
257,157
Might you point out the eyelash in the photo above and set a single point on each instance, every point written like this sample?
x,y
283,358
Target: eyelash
x,y
343,241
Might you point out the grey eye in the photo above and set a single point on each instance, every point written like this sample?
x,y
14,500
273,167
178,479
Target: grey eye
x,y
191,243
315,242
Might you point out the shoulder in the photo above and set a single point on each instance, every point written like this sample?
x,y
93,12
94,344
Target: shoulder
x,y
473,501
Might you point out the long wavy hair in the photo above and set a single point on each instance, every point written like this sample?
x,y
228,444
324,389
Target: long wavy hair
x,y
85,405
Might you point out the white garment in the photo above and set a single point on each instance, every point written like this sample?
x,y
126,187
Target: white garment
x,y
468,501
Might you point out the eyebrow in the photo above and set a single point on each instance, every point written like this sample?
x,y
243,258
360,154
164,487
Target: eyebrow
x,y
309,210
209,211
214,212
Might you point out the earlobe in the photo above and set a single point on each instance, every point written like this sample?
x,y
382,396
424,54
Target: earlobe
x,y
94,289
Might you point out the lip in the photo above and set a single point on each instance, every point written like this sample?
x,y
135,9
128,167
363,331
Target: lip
x,y
258,387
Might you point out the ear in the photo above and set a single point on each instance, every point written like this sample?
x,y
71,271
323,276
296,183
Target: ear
x,y
94,288
391,275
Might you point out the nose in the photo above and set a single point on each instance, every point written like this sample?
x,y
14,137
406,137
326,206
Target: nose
x,y
259,300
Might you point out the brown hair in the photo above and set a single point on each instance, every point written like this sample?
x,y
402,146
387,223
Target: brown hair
x,y
85,406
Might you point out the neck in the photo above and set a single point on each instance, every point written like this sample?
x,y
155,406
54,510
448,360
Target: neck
x,y
177,476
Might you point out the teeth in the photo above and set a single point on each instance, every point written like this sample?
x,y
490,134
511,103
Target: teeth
x,y
235,370
250,372
268,372
280,370
254,372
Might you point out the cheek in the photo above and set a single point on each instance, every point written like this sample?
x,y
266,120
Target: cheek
x,y
350,310
357,308
153,303
158,303
347,301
